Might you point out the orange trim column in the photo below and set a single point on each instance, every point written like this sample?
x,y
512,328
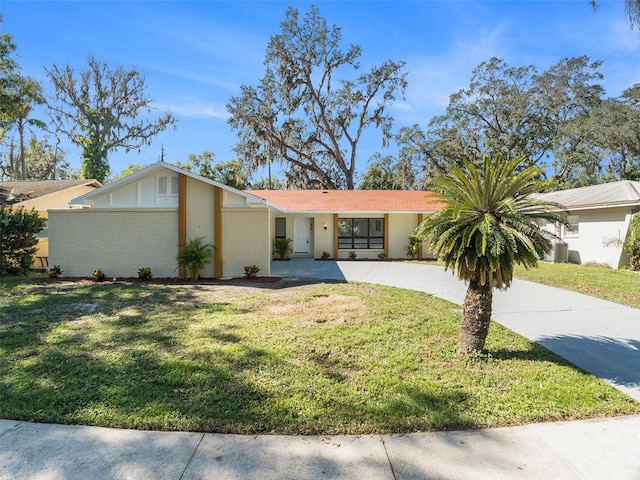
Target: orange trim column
x,y
182,217
217,233
420,218
335,236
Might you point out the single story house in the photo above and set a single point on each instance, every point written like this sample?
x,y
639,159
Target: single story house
x,y
140,221
599,217
43,195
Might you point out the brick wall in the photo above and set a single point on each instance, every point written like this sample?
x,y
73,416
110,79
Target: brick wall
x,y
119,241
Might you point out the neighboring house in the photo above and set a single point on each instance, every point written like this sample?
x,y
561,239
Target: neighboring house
x,y
43,195
599,217
141,219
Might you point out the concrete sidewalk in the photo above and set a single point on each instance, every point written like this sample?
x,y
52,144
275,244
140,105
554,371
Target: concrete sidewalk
x,y
585,450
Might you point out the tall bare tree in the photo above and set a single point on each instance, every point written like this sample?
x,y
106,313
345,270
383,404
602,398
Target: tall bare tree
x,y
302,115
102,110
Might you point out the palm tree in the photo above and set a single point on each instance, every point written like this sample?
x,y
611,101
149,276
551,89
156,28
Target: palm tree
x,y
488,225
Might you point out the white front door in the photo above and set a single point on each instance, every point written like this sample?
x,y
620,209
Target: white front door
x,y
301,235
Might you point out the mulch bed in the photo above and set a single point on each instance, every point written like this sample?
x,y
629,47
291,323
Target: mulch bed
x,y
175,281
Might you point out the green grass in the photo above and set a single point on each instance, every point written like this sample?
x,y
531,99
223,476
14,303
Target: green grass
x,y
620,286
310,359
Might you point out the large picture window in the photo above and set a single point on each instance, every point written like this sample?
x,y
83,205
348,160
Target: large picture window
x,y
361,233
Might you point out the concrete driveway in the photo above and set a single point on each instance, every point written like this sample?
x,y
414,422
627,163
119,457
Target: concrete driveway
x,y
598,336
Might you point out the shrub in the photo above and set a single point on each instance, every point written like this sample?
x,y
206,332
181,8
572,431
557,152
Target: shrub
x,y
194,256
414,246
383,255
352,255
282,247
55,271
99,275
325,255
18,229
251,272
145,274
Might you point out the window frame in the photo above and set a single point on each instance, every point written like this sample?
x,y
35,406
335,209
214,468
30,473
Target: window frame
x,y
358,240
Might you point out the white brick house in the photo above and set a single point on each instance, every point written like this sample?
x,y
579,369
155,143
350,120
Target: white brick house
x,y
140,221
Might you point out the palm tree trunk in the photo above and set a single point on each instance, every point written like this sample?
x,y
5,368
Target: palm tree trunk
x,y
476,315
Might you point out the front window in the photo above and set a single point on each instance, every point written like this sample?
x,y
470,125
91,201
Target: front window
x,y
281,228
361,233
573,229
167,189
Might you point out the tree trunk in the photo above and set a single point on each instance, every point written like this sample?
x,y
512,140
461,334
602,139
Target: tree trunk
x,y
476,315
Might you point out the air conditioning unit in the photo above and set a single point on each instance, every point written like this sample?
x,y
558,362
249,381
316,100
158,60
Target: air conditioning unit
x,y
559,252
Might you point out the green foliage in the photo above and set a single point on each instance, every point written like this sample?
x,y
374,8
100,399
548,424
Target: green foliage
x,y
55,271
98,275
383,255
282,247
231,173
18,95
325,255
414,246
489,223
251,272
632,244
312,107
352,255
132,168
18,242
95,164
554,114
145,274
194,256
387,173
46,162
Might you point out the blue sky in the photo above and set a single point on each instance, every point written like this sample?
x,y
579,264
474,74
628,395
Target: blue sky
x,y
195,55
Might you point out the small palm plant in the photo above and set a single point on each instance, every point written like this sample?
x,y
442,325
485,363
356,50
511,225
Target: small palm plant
x,y
414,246
194,256
282,247
488,225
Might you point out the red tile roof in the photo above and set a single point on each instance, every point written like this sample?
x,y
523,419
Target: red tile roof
x,y
343,201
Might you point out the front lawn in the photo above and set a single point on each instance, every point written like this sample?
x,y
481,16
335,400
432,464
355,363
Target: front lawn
x,y
620,286
307,359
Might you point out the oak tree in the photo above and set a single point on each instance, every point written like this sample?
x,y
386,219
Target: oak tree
x,y
312,106
101,110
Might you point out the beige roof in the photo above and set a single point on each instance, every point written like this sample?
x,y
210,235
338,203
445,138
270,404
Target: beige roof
x,y
345,201
14,192
613,194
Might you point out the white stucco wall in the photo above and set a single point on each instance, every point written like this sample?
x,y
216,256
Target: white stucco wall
x,y
201,216
400,227
596,229
246,240
118,241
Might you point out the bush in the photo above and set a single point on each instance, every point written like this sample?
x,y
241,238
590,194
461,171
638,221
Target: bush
x,y
55,271
414,246
383,255
325,255
251,272
18,242
99,275
194,256
352,255
282,247
145,274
